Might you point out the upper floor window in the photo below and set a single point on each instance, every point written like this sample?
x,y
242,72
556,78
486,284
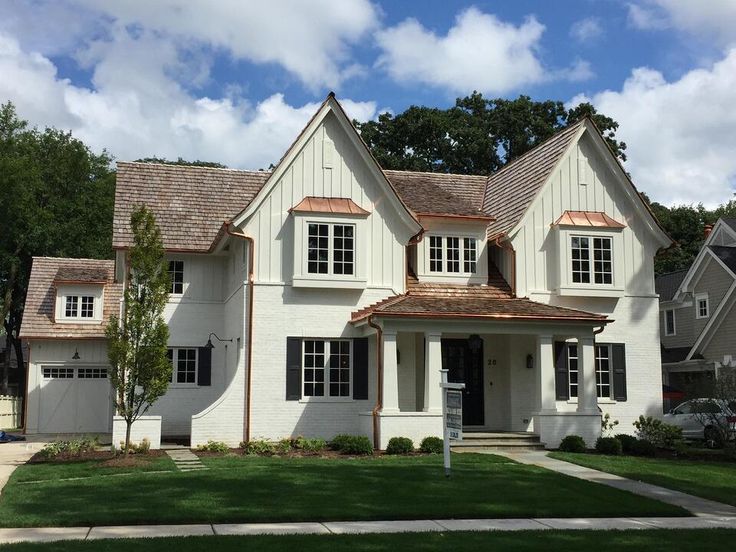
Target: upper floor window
x,y
669,322
702,308
330,248
459,254
327,366
592,260
79,306
176,274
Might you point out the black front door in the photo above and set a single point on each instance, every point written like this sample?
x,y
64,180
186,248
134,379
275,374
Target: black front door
x,y
465,365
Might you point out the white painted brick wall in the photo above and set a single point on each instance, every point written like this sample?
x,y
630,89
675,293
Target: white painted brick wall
x,y
415,426
553,428
145,427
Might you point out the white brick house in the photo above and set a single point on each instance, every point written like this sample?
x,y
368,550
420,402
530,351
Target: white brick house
x,y
333,292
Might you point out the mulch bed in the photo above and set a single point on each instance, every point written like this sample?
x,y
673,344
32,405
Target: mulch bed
x,y
327,453
111,460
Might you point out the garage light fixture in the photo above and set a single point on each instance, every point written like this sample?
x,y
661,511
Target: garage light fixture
x,y
75,356
209,340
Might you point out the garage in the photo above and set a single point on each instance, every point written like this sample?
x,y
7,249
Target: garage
x,y
74,399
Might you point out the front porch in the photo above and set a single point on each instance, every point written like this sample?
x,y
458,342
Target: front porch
x,y
509,371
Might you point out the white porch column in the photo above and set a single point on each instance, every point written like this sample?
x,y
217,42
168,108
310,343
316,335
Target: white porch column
x,y
587,399
390,373
546,374
432,374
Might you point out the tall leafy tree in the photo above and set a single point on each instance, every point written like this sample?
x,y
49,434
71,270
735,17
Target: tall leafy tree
x,y
141,370
56,199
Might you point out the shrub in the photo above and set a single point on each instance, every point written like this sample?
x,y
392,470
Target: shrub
x,y
432,445
284,446
573,443
642,447
352,444
73,447
628,442
214,446
258,447
657,432
608,445
310,445
400,445
607,426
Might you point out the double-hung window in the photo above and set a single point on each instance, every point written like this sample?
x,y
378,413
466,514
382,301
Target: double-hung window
x,y
453,255
326,366
592,260
330,248
176,274
702,309
184,364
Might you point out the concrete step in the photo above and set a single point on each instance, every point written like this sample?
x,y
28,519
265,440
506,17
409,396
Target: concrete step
x,y
495,443
482,441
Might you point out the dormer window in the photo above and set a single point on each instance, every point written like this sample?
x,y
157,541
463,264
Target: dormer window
x,y
453,255
79,306
79,303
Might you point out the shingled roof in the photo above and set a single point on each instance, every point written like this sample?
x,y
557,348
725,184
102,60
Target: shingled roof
x,y
512,188
666,285
38,313
726,254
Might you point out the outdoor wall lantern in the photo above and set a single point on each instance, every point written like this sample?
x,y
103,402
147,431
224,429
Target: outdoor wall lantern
x,y
75,356
475,342
209,340
529,361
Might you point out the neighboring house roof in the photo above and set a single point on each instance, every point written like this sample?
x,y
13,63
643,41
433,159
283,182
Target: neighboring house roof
x,y
730,222
726,254
334,205
666,285
512,189
38,313
587,218
676,354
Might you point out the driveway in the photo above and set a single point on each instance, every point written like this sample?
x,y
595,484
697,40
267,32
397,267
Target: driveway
x,y
13,455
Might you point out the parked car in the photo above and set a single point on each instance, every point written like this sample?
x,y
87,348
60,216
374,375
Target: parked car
x,y
705,419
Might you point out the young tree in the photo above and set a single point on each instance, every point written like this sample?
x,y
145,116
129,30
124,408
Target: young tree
x,y
141,370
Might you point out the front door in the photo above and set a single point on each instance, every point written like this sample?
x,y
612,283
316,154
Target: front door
x,y
465,365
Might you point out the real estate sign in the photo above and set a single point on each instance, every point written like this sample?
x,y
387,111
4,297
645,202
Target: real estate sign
x,y
454,414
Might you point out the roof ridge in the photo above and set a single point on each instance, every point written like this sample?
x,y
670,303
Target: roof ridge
x,y
197,167
672,272
433,173
72,259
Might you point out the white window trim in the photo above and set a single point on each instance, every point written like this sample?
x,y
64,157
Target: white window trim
x,y
566,287
698,298
327,398
174,384
303,278
79,291
674,322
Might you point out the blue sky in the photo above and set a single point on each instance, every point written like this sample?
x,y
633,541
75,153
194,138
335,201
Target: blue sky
x,y
234,81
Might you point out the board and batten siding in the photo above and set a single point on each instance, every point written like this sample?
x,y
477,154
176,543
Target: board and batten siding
x,y
581,182
328,166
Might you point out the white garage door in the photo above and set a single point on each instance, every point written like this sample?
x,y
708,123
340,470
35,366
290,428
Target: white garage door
x,y
75,399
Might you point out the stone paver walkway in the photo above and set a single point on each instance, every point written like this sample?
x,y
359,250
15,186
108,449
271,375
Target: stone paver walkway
x,y
185,460
13,455
47,534
696,505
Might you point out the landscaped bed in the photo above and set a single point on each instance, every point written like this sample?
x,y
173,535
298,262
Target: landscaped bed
x,y
708,479
521,541
240,488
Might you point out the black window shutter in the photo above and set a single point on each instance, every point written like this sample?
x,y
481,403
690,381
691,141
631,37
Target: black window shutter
x,y
204,371
562,378
618,354
293,368
360,369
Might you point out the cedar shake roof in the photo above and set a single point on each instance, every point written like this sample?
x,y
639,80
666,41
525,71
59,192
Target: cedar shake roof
x,y
81,274
512,188
190,203
335,205
666,285
440,193
726,254
38,313
587,218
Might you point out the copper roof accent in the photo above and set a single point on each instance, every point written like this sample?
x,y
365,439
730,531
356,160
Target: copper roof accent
x,y
190,203
81,274
38,313
336,205
512,188
587,218
441,194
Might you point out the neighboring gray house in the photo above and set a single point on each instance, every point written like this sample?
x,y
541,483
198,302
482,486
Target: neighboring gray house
x,y
698,315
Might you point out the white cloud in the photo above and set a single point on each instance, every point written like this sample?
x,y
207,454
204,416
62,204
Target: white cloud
x,y
586,30
136,109
679,134
710,19
479,52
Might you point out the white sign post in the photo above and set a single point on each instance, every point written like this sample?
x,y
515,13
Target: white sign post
x,y
452,415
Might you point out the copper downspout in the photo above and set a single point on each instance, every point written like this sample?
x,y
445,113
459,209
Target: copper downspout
x,y
379,390
508,247
251,286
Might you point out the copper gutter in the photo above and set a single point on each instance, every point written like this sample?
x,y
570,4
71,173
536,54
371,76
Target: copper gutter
x,y
508,247
451,216
379,390
451,315
251,286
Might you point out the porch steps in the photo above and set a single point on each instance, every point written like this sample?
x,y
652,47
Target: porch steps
x,y
479,441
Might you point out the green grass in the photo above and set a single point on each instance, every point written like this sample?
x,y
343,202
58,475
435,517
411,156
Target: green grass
x,y
713,480
91,468
522,541
241,489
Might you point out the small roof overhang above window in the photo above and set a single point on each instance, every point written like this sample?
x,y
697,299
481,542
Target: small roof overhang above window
x,y
588,219
78,275
329,205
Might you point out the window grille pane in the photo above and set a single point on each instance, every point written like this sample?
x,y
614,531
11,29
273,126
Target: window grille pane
x,y
339,368
88,306
572,369
71,307
57,372
435,254
580,254
343,248
603,371
453,254
186,366
602,261
92,373
314,368
318,249
470,255
176,274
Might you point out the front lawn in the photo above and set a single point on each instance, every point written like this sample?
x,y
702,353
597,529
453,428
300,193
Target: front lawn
x,y
713,480
522,541
259,489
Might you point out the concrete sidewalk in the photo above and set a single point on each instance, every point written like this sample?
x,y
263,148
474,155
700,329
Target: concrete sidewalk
x,y
14,454
48,534
697,506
